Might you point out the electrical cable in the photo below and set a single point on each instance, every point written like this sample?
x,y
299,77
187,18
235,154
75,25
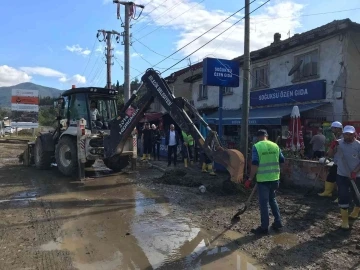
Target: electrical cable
x,y
170,20
154,19
153,50
92,50
149,12
218,34
206,33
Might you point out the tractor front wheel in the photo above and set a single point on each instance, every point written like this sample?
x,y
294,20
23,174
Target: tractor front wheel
x,y
66,156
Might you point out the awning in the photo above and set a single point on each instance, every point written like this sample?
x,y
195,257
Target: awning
x,y
259,116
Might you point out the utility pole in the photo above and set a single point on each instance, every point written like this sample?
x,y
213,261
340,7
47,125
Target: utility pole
x,y
107,35
246,87
130,11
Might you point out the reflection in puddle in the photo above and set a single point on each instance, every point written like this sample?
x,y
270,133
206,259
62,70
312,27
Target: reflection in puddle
x,y
143,233
22,196
173,243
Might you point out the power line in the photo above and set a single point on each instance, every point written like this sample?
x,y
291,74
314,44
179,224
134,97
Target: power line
x,y
166,11
218,35
92,50
152,49
171,20
206,33
149,12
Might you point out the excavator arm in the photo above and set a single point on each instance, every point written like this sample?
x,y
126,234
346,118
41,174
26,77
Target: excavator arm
x,y
231,159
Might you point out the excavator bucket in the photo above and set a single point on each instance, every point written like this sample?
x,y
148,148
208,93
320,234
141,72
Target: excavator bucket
x,y
233,160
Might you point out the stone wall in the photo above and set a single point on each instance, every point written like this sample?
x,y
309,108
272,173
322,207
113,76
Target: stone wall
x,y
304,173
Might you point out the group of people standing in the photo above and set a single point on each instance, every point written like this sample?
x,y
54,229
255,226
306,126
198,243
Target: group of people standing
x,y
266,160
151,140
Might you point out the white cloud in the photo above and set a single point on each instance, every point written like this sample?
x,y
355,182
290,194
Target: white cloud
x,y
42,71
11,76
78,50
119,52
136,55
276,16
76,79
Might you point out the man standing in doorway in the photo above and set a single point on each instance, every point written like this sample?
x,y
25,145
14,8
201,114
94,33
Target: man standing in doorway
x,y
266,159
347,153
172,141
318,144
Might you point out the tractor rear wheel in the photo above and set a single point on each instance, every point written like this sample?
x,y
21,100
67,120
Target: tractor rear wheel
x,y
66,156
42,158
117,163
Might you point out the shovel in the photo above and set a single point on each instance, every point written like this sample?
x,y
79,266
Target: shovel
x,y
245,205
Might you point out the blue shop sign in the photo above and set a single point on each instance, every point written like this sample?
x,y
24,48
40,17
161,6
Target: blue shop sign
x,y
289,94
220,72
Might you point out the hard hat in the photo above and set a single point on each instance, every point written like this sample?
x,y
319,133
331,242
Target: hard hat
x,y
336,124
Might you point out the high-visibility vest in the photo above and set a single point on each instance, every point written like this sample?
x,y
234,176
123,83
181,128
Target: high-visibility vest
x,y
269,168
188,138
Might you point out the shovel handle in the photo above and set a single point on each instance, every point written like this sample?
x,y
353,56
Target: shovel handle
x,y
251,195
355,188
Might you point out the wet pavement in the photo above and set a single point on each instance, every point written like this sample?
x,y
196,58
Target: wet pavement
x,y
128,227
149,219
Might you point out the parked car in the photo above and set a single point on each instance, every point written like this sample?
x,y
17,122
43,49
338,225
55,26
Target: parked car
x,y
9,130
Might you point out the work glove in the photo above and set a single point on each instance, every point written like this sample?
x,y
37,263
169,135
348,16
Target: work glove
x,y
353,176
247,184
334,144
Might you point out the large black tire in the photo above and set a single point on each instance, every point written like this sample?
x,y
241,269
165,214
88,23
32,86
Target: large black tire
x,y
89,163
117,163
66,156
42,158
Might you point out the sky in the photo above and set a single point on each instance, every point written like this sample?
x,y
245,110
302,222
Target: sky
x,y
54,43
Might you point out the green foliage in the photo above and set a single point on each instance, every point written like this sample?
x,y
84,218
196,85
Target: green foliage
x,y
47,116
47,101
4,113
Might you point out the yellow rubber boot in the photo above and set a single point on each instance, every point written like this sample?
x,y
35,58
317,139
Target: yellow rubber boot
x,y
191,162
185,162
210,169
203,168
149,157
345,219
329,188
355,213
144,157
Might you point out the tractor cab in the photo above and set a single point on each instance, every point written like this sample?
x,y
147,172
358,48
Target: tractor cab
x,y
96,105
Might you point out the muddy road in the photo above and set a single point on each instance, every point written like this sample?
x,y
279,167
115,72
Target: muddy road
x,y
151,220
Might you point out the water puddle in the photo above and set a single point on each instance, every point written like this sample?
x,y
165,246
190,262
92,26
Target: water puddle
x,y
286,239
22,196
144,232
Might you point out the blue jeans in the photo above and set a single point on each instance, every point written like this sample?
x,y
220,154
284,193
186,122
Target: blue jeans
x,y
266,191
346,192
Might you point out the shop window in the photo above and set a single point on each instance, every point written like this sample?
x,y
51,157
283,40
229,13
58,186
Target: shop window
x,y
309,66
260,77
231,130
203,92
226,90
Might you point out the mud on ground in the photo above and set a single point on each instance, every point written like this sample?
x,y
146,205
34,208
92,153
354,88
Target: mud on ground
x,y
311,238
66,210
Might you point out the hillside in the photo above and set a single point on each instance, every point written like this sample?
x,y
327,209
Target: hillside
x,y
5,92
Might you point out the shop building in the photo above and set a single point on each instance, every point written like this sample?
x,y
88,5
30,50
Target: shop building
x,y
325,84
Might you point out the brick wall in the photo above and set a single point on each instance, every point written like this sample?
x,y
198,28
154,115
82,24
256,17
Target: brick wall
x,y
304,173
